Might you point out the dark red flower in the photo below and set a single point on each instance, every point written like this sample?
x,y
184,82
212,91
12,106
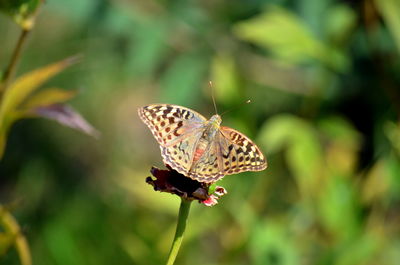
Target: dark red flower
x,y
169,180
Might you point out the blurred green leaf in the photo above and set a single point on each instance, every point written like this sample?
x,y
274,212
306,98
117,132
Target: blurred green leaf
x,y
6,241
21,11
181,82
288,38
392,131
303,150
150,46
271,243
342,143
338,208
62,244
340,20
276,133
361,250
21,88
390,10
225,78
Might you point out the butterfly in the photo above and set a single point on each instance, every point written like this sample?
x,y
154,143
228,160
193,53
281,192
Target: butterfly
x,y
199,148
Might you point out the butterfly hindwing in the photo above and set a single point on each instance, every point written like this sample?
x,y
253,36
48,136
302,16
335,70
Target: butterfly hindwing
x,y
239,153
208,168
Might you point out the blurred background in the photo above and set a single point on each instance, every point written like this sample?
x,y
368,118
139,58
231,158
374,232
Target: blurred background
x,y
323,77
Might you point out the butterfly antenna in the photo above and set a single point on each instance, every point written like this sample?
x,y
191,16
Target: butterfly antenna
x,y
212,96
238,106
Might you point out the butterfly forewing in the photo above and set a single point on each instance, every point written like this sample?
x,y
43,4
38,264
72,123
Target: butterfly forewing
x,y
177,130
170,123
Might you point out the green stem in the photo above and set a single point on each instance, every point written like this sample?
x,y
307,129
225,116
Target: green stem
x,y
10,71
180,230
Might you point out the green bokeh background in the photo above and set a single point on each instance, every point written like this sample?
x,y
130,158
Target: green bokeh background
x,y
324,80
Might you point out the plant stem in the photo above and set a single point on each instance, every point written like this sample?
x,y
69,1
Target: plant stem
x,y
12,66
180,230
11,227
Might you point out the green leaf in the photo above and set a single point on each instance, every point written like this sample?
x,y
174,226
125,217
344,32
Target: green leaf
x,y
340,21
6,241
390,10
277,131
271,243
21,89
224,78
22,11
288,38
182,80
338,208
303,150
28,83
5,125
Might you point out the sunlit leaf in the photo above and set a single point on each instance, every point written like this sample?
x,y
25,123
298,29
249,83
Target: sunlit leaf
x,y
392,132
376,184
277,132
225,78
342,144
10,225
6,241
66,116
302,148
28,83
288,38
47,97
382,182
390,10
340,21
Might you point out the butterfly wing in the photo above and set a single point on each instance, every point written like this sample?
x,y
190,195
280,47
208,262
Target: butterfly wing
x,y
230,152
209,167
177,129
238,153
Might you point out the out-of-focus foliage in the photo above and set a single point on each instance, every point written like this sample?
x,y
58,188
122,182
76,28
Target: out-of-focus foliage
x,y
19,101
23,12
323,77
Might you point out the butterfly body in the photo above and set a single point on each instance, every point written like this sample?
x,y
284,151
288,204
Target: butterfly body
x,y
199,148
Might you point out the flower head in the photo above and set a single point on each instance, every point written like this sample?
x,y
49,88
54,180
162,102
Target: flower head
x,y
169,180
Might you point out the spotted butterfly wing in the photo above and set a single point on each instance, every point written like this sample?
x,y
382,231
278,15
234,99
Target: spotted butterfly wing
x,y
177,129
239,153
230,153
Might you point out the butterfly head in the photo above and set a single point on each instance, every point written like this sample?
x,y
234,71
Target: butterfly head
x,y
215,121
